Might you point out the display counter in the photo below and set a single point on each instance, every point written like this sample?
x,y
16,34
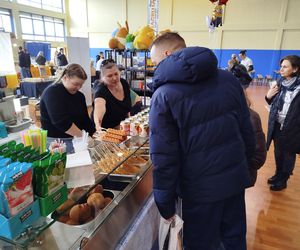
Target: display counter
x,y
131,199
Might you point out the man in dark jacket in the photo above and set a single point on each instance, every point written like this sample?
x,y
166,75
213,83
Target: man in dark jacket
x,y
200,142
24,63
61,58
28,61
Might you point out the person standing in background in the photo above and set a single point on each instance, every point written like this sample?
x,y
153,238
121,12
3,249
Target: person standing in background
x,y
93,71
235,58
98,65
23,63
247,62
41,62
61,58
240,72
201,140
28,61
284,122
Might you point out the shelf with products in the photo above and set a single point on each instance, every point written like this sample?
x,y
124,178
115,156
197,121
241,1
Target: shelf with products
x,y
136,66
52,232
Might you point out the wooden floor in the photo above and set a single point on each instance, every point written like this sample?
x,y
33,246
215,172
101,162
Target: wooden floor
x,y
273,217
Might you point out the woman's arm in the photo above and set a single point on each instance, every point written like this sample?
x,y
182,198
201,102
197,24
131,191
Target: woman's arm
x,y
99,111
74,131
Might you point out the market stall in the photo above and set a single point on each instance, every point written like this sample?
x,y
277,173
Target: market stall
x,y
74,217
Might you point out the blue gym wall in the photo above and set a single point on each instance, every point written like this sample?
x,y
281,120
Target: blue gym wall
x,y
265,61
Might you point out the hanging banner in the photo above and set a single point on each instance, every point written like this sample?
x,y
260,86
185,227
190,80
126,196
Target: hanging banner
x,y
7,65
153,10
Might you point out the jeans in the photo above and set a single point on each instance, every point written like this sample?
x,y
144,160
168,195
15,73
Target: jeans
x,y
25,72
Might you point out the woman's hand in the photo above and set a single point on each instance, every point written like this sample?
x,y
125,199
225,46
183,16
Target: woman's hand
x,y
272,91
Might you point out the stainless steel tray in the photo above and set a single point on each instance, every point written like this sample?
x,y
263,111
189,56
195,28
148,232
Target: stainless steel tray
x,y
91,224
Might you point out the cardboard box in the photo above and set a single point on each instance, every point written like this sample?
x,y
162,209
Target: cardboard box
x,y
53,201
14,226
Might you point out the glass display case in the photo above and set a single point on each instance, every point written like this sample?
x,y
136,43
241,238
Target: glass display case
x,y
125,191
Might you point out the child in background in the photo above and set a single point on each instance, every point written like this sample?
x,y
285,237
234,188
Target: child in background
x,y
260,153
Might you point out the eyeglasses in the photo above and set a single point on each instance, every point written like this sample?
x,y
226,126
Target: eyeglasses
x,y
107,61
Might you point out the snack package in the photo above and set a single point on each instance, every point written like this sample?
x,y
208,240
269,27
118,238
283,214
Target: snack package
x,y
49,174
38,157
16,189
3,172
4,162
7,146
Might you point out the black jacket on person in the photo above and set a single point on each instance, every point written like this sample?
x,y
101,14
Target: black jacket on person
x,y
61,59
201,137
22,59
240,72
291,126
27,60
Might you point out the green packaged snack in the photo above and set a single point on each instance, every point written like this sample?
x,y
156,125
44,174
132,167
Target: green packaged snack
x,y
49,174
39,157
30,155
7,146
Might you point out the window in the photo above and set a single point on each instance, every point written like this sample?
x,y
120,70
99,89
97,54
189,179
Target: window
x,y
54,5
5,20
43,28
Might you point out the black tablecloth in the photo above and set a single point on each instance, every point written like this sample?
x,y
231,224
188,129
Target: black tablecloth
x,y
34,89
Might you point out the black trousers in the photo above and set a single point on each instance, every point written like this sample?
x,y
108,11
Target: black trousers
x,y
285,161
208,225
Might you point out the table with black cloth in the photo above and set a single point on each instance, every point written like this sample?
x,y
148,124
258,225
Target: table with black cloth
x,y
34,89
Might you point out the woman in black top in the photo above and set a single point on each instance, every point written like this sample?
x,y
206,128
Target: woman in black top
x,y
63,108
112,102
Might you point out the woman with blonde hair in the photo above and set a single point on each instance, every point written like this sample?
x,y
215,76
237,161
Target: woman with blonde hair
x,y
112,102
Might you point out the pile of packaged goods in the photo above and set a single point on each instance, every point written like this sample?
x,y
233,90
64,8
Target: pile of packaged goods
x,y
31,185
137,125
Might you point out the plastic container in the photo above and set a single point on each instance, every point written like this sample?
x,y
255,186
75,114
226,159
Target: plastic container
x,y
3,131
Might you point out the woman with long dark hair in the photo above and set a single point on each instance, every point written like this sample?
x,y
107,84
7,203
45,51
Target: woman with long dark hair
x,y
284,122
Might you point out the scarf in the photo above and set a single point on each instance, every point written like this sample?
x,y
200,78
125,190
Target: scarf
x,y
286,85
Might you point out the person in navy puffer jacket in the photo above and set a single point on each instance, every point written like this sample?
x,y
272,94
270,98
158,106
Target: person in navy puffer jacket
x,y
201,141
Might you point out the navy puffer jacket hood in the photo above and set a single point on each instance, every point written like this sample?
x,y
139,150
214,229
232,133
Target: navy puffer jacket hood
x,y
189,65
200,131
